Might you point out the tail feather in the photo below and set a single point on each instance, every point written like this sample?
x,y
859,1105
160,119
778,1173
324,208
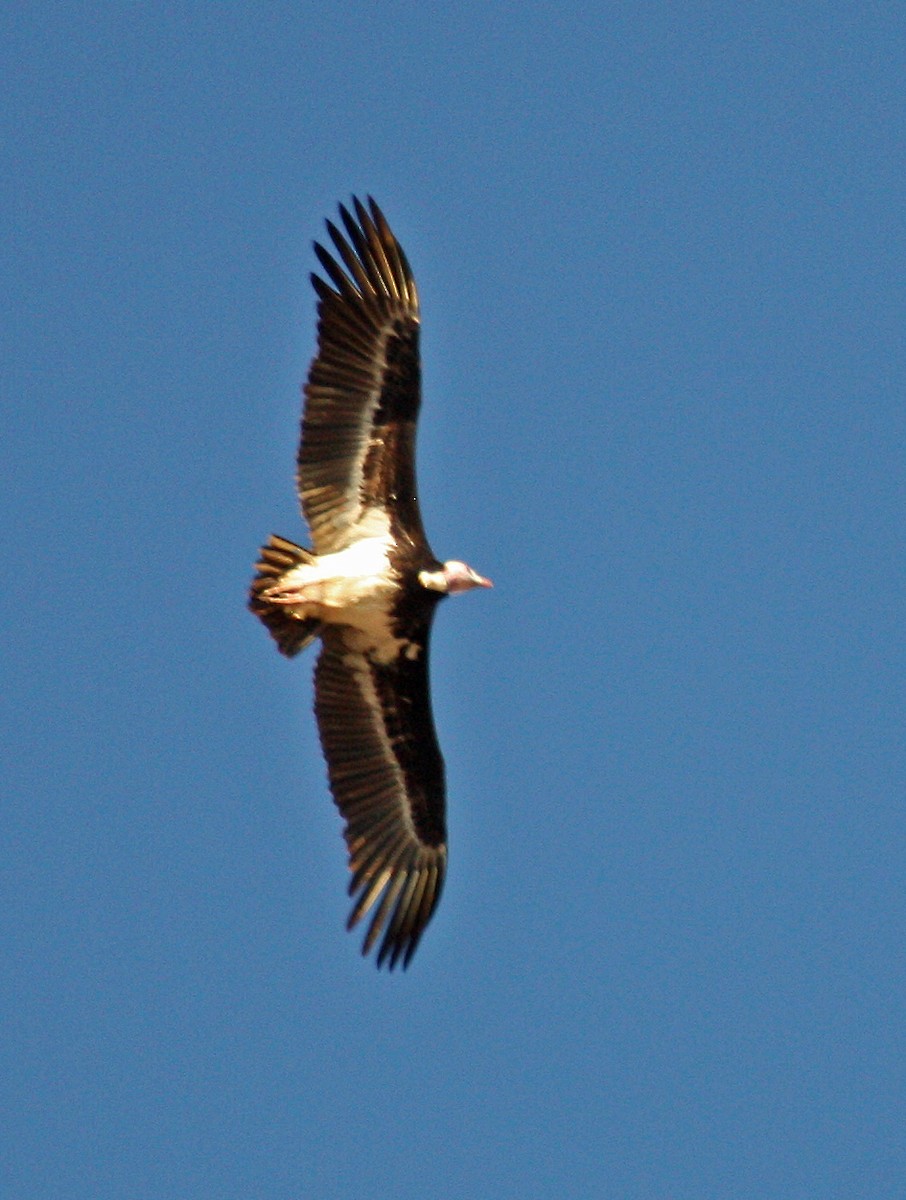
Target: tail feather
x,y
291,634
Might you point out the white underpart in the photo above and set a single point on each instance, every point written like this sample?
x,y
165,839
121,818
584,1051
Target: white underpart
x,y
352,588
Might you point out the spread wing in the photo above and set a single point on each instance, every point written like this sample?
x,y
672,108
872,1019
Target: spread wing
x,y
356,464
387,778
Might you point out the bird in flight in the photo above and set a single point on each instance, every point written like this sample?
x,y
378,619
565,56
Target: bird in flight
x,y
371,584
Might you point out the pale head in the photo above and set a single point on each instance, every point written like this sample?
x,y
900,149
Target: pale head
x,y
454,576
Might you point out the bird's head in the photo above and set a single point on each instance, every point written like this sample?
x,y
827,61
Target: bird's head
x,y
454,576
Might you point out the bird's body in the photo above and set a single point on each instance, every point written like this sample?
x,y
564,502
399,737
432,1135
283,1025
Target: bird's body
x,y
352,587
370,588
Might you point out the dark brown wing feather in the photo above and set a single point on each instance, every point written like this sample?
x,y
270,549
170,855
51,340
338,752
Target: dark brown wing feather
x,y
387,778
356,465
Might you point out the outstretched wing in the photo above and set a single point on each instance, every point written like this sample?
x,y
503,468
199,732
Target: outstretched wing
x,y
356,465
387,778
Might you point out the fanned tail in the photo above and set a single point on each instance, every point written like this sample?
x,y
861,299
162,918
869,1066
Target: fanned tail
x,y
291,634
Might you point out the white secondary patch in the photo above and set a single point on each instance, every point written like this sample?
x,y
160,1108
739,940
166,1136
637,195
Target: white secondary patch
x,y
345,515
372,700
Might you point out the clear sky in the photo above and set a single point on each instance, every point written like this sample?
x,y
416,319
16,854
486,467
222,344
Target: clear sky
x,y
660,250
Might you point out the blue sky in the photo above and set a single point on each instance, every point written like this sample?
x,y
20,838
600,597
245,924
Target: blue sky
x,y
660,254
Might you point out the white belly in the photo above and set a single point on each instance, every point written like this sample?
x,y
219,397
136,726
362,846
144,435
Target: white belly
x,y
352,587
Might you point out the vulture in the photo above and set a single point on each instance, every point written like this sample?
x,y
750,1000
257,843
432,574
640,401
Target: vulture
x,y
369,587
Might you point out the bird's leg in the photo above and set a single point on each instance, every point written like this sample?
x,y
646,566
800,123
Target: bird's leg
x,y
299,586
